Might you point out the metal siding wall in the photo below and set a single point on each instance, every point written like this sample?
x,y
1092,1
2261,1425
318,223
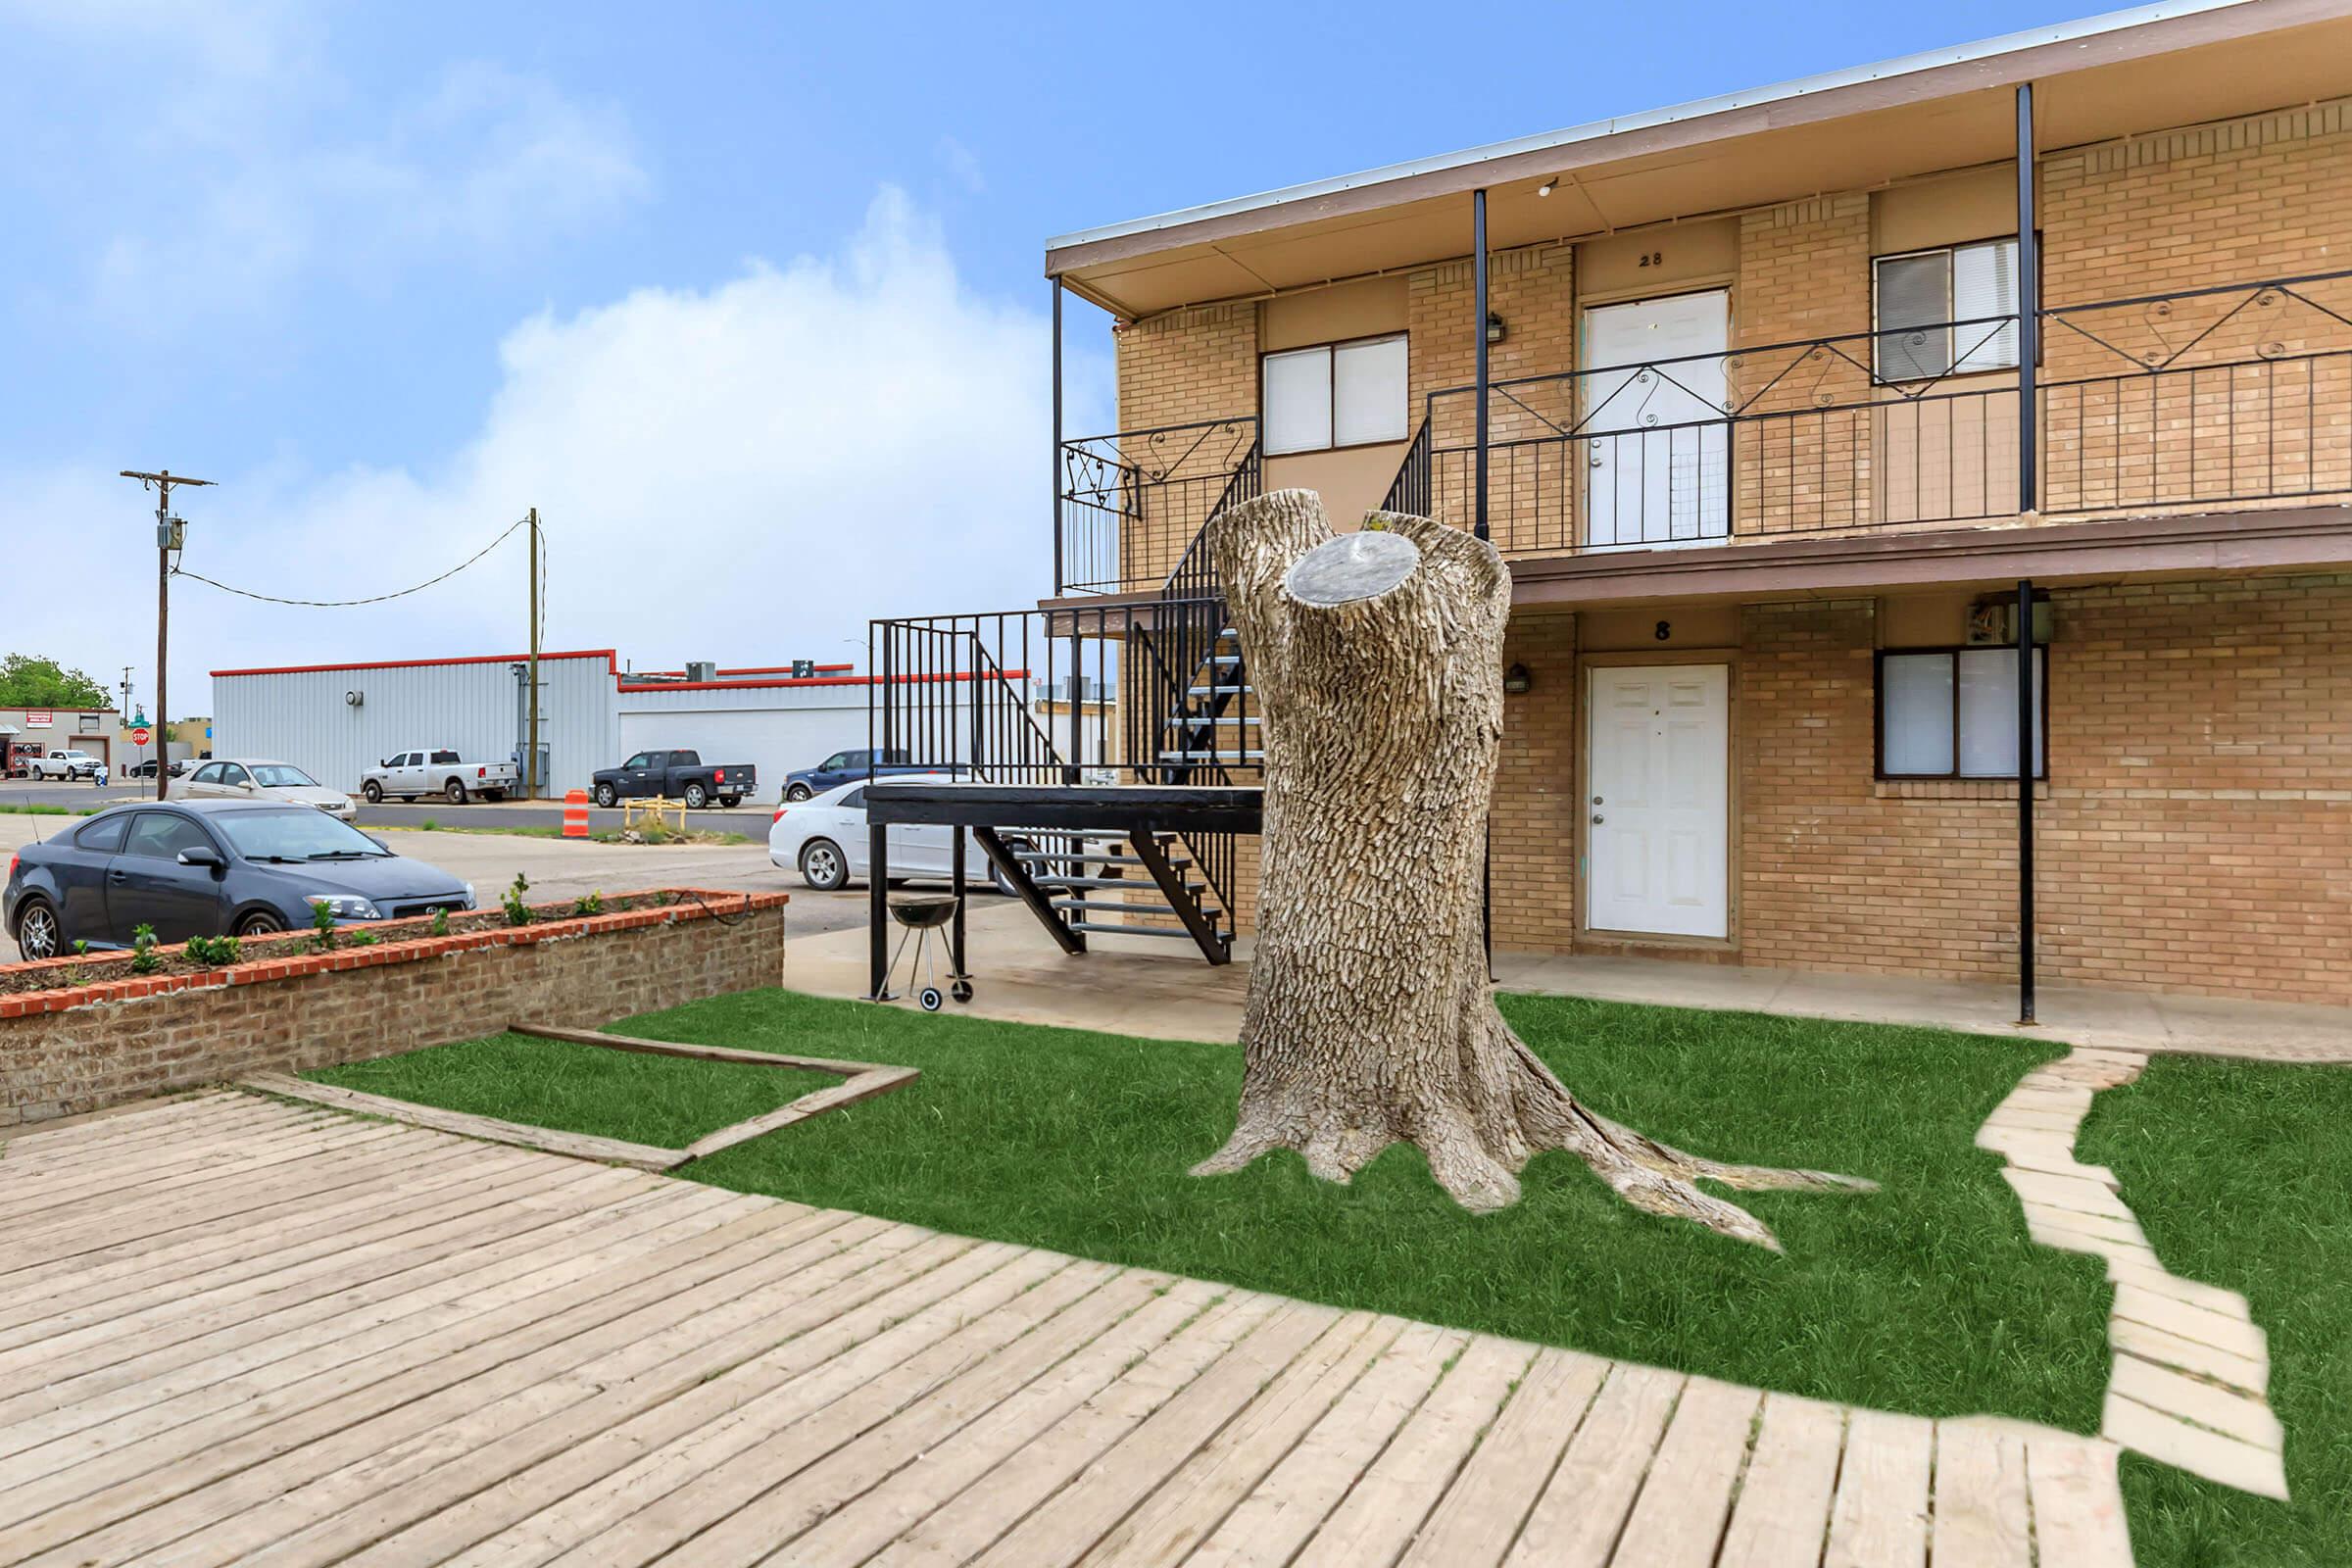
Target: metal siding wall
x,y
301,716
774,728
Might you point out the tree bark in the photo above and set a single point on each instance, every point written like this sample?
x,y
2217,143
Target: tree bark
x,y
1375,660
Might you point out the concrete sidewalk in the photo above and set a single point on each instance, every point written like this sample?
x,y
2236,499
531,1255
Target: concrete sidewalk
x,y
1160,989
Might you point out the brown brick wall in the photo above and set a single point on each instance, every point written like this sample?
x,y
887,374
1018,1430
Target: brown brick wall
x,y
2197,830
373,1001
1179,368
1533,826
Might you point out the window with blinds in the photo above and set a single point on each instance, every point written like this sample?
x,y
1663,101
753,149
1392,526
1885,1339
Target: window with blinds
x,y
1333,395
1948,310
1952,713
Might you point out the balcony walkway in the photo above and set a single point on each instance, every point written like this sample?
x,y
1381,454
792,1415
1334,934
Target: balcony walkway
x,y
237,1330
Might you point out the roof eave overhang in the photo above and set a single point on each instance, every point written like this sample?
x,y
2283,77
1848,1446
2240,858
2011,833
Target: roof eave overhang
x,y
2000,63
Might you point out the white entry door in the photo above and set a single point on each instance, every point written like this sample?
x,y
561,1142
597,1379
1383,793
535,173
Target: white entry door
x,y
1659,844
1660,442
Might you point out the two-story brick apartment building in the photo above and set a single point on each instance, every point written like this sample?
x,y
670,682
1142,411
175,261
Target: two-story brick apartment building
x,y
1786,395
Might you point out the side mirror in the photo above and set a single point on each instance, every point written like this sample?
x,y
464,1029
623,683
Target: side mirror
x,y
200,855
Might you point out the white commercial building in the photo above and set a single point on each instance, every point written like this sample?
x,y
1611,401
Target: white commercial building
x,y
334,721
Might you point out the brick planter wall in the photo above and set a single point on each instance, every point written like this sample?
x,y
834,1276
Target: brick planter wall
x,y
79,1048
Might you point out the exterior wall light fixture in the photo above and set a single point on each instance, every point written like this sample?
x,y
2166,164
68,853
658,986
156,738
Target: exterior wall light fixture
x,y
1517,681
1495,328
1545,189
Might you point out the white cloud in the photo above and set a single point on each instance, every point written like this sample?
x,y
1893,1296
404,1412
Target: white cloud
x,y
745,473
961,164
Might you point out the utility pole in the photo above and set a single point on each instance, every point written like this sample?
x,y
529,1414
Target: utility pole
x,y
169,534
530,762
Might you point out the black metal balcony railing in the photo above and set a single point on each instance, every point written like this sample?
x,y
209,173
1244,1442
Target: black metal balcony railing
x,y
2221,396
1132,503
1085,695
2212,397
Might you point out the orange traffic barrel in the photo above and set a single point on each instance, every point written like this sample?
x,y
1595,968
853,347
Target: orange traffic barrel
x,y
576,815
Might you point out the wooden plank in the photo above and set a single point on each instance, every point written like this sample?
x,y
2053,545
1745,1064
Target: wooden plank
x,y
210,1385
579,1145
427,1188
355,1505
672,1047
2234,1332
2228,1411
1278,1517
930,1398
1783,1513
155,1492
2247,1372
1482,1510
1981,1511
1396,1494
1575,1521
1168,1525
1154,1308
2077,1504
336,1280
256,1357
698,1482
1678,1520
865,1086
1880,1519
96,1191
1166,1421
608,1477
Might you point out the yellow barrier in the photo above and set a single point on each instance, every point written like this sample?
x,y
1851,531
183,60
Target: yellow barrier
x,y
659,808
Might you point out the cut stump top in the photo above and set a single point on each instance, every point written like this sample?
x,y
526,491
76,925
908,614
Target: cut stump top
x,y
1353,567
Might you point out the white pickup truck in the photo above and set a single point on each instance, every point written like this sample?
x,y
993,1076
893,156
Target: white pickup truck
x,y
443,772
67,765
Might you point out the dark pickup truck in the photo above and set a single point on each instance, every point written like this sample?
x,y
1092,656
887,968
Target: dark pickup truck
x,y
678,776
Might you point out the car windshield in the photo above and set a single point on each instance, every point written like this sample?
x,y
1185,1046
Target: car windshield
x,y
296,834
279,777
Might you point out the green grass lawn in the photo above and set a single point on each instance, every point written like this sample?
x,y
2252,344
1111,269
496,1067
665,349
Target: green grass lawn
x,y
667,1101
2241,1175
1926,1296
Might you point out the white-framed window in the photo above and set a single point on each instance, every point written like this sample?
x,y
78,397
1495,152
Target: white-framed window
x,y
1952,713
1918,296
88,724
1333,395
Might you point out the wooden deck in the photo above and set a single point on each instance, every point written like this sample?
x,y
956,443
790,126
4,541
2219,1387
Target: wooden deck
x,y
238,1331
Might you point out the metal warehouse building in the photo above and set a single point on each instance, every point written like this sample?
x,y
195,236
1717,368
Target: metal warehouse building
x,y
337,720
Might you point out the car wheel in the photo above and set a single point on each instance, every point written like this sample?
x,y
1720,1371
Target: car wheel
x,y
730,802
996,873
38,933
695,798
823,867
798,792
259,923
456,791
374,791
604,796
408,800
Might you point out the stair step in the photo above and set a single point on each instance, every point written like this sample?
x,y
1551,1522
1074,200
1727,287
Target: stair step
x,y
1133,883
1219,689
1107,929
1203,754
1195,722
1223,661
1209,910
1178,861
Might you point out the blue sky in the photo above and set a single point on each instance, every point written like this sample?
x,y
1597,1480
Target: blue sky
x,y
745,297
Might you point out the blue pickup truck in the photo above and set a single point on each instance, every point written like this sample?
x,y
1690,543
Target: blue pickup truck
x,y
843,766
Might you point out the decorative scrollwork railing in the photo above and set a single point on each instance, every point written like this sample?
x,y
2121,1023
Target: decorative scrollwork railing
x,y
1132,503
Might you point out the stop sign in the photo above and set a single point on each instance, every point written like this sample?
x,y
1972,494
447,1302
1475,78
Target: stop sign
x,y
138,737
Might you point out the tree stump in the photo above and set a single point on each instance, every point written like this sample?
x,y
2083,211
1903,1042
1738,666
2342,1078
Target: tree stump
x,y
1376,661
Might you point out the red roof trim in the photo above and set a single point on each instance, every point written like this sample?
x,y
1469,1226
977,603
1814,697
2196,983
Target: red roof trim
x,y
804,681
610,656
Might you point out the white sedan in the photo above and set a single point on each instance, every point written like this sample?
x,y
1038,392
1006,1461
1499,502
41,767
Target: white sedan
x,y
257,778
825,839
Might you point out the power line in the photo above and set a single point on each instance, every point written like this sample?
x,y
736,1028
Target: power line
x,y
347,604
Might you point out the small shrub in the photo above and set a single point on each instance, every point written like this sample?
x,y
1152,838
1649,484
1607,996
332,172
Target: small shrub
x,y
518,911
363,938
428,825
589,903
440,925
216,952
323,926
82,944
142,951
